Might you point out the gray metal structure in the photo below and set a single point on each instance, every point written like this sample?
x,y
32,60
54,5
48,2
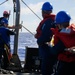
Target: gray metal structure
x,y
17,25
15,57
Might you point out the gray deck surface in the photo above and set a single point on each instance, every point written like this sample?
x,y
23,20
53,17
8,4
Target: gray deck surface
x,y
22,74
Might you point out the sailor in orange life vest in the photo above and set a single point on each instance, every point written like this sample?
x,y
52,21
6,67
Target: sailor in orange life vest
x,y
64,40
43,36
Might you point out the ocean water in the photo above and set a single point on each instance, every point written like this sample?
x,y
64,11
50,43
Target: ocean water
x,y
24,40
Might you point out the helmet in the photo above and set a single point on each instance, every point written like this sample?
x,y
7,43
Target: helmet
x,y
5,12
47,6
62,17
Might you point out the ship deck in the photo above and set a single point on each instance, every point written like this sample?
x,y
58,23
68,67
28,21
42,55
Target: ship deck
x,y
22,74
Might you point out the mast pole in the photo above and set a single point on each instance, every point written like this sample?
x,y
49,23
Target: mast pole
x,y
17,25
15,57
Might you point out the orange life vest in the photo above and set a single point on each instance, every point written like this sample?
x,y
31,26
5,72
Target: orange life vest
x,y
38,30
69,41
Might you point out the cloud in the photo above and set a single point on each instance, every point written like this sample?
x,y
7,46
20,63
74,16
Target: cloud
x,y
34,7
31,25
30,21
7,5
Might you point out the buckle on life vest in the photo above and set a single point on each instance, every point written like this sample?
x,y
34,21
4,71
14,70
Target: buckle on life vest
x,y
71,50
48,43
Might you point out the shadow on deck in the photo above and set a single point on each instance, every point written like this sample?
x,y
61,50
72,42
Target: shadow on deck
x,y
32,64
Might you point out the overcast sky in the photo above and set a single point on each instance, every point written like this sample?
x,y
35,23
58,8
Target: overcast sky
x,y
30,20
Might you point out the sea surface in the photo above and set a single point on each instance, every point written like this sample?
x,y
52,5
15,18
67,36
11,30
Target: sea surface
x,y
24,40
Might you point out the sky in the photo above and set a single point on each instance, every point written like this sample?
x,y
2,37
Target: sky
x,y
29,19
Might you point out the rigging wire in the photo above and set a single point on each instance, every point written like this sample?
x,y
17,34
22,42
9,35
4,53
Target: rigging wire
x,y
26,28
22,21
3,2
31,9
34,13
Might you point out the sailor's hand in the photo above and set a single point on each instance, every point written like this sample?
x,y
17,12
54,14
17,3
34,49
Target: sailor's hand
x,y
71,49
20,26
13,26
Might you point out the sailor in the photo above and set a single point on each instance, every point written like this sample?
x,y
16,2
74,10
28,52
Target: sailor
x,y
65,34
43,36
4,40
4,21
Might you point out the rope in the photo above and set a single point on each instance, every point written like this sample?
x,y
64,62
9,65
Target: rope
x,y
31,9
3,2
